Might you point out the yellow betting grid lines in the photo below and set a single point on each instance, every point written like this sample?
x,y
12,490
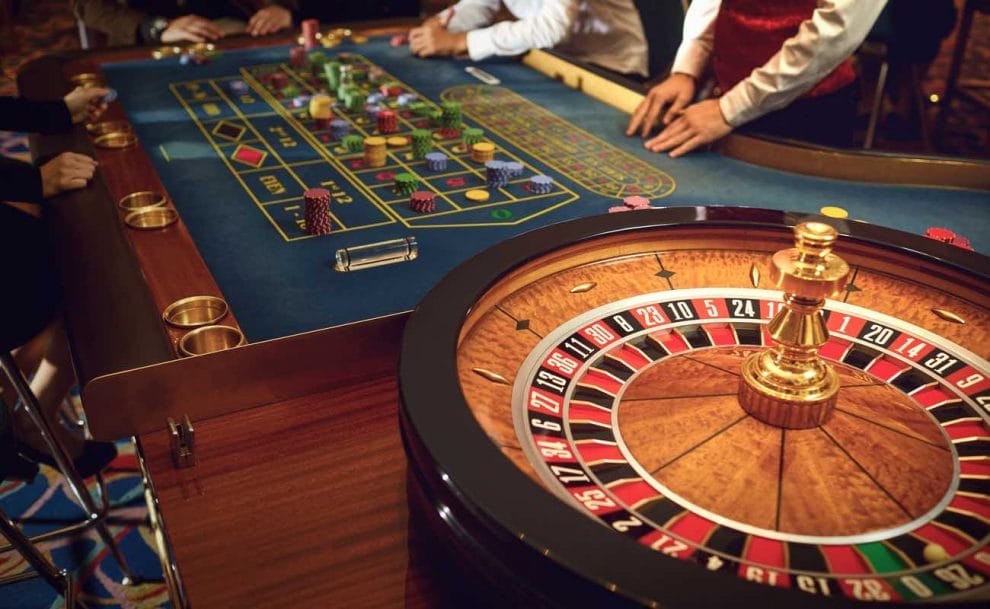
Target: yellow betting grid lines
x,y
316,144
480,173
522,129
278,157
226,161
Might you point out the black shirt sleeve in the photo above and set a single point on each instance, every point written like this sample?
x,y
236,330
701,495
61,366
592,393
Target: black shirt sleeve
x,y
18,114
19,181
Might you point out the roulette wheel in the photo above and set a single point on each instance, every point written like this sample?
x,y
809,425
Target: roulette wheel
x,y
578,408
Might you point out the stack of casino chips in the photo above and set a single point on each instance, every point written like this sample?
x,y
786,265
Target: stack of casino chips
x,y
422,142
405,183
472,136
515,169
482,152
436,162
374,98
317,211
359,74
636,202
405,99
390,89
419,108
316,60
496,174
297,57
331,70
541,184
320,110
339,128
375,151
423,201
279,80
353,143
310,28
450,119
290,91
353,99
388,122
372,111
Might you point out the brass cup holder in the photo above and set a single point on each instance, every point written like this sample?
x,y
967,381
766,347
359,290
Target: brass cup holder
x,y
195,311
105,127
87,79
150,218
116,139
209,339
144,198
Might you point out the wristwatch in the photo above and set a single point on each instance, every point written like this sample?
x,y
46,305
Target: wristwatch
x,y
156,27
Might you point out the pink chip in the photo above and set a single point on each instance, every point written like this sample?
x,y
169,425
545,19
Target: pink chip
x,y
618,208
399,40
636,202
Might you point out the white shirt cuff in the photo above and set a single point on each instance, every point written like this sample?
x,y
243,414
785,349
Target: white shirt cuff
x,y
737,108
480,44
692,59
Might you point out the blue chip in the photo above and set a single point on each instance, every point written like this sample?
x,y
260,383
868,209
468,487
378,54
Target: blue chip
x,y
110,96
239,86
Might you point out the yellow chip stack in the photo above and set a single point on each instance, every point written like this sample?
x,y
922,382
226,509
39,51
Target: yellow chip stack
x,y
375,151
321,107
482,152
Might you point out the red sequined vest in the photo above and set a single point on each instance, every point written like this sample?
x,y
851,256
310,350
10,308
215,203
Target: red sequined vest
x,y
750,32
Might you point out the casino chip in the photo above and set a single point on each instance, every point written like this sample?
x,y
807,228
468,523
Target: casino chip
x,y
405,183
541,184
317,211
496,174
422,143
483,152
375,151
388,122
940,234
472,136
397,141
239,86
636,202
436,161
339,128
354,143
515,169
478,196
423,201
109,97
833,212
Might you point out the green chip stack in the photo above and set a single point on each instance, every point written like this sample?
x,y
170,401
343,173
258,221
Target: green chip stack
x,y
332,71
352,98
472,136
450,117
290,91
422,142
354,143
359,76
420,108
435,116
405,184
316,60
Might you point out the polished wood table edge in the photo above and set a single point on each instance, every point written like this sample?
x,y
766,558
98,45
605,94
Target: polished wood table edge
x,y
784,155
140,401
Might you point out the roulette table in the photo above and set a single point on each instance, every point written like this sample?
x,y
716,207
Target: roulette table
x,y
300,489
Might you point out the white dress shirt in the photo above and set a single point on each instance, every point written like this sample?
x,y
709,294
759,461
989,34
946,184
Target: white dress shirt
x,y
826,39
607,33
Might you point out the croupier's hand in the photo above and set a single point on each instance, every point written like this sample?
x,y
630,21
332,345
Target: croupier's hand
x,y
269,20
433,39
699,125
85,104
664,102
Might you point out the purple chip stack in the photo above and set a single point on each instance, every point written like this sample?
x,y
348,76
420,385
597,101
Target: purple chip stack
x,y
515,169
436,161
541,184
372,110
496,174
339,129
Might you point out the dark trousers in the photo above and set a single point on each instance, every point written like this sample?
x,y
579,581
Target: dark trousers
x,y
828,120
32,292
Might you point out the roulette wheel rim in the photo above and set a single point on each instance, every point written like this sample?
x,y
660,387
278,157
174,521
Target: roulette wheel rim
x,y
526,532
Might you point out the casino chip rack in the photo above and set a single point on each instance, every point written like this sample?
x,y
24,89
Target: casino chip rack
x,y
604,535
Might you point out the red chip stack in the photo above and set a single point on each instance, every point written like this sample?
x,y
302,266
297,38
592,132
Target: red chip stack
x,y
297,57
388,121
423,201
317,211
309,29
940,234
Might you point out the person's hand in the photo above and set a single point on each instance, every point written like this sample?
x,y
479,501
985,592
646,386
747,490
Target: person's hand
x,y
85,104
674,94
192,28
702,123
269,20
67,171
433,39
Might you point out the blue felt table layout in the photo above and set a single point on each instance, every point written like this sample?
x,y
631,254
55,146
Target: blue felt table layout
x,y
235,165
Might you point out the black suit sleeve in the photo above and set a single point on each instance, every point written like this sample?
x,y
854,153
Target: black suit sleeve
x,y
19,181
18,114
